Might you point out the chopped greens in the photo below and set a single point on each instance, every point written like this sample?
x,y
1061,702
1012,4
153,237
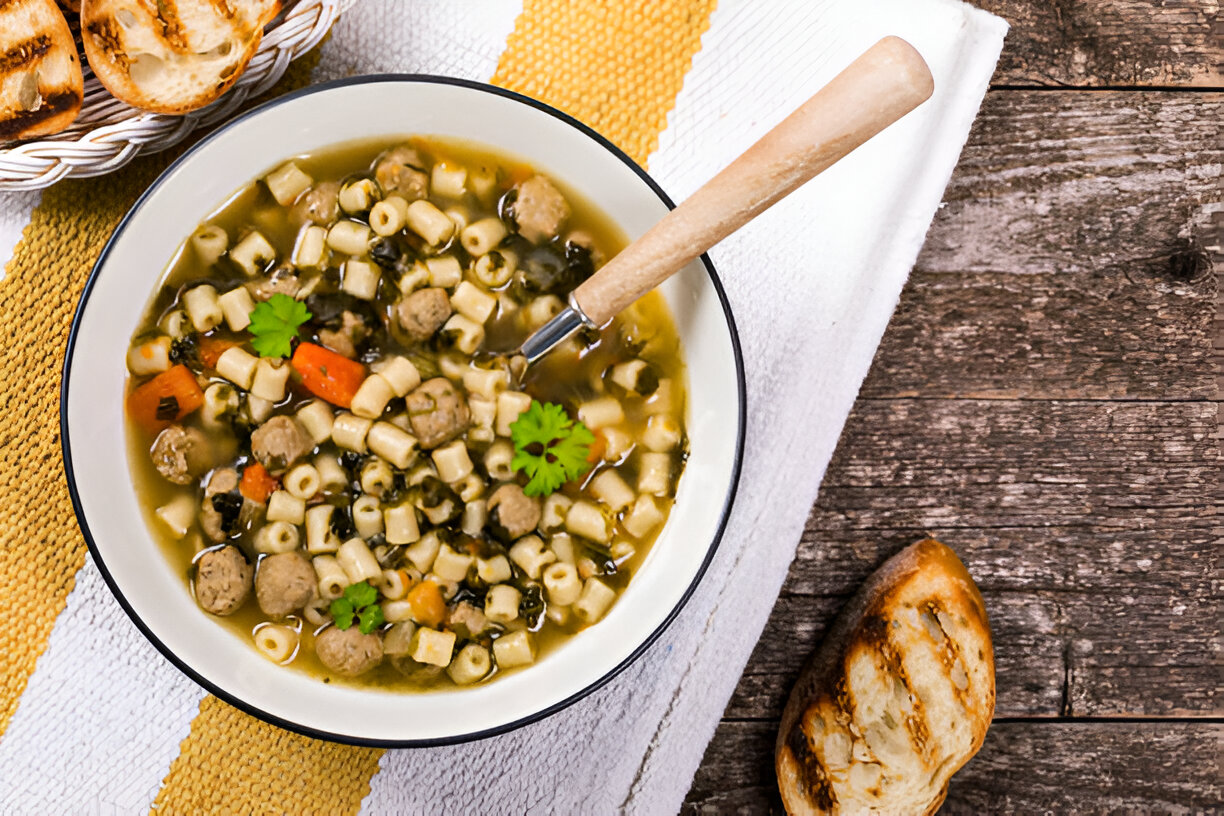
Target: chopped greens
x,y
358,602
549,447
274,324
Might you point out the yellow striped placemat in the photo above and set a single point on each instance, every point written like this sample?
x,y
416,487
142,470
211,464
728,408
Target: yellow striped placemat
x,y
615,64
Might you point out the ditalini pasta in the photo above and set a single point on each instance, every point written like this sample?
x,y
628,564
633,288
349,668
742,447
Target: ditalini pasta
x,y
334,453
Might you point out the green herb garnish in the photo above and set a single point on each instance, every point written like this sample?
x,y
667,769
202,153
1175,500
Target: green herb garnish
x,y
549,447
358,602
274,323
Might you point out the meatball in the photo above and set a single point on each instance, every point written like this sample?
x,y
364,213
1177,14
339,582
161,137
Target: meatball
x,y
347,651
437,412
280,442
423,312
181,454
468,616
400,172
223,580
516,513
285,582
344,340
318,205
539,209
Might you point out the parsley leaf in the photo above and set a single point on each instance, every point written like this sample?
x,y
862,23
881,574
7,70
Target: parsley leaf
x,y
549,447
358,603
274,323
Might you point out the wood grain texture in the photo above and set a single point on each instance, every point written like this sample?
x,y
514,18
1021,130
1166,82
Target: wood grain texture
x,y
1091,43
1067,767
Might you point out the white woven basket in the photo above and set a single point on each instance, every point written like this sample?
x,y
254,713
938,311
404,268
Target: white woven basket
x,y
108,134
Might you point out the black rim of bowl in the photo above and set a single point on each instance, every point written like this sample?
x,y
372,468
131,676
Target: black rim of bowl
x,y
349,739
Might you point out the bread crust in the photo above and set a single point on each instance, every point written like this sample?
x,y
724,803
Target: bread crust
x,y
172,56
41,86
898,696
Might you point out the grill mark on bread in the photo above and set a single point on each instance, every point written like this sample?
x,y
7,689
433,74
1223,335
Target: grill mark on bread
x,y
24,54
52,105
811,769
916,727
949,653
106,35
223,9
172,26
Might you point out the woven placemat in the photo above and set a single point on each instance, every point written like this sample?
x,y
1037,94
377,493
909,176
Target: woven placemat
x,y
615,64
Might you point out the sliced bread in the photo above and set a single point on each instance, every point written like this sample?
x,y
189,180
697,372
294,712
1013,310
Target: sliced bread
x,y
41,87
172,56
897,698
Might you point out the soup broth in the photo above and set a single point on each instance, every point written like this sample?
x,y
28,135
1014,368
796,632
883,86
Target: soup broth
x,y
337,446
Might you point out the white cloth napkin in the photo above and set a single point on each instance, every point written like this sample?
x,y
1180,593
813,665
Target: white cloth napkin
x,y
812,283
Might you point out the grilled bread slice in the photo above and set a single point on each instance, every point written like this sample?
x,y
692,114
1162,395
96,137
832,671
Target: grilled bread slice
x,y
172,56
897,698
41,87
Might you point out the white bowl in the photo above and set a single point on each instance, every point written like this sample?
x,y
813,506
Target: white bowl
x,y
151,589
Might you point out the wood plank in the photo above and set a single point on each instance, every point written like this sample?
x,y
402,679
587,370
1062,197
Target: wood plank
x,y
1069,259
1110,42
1022,768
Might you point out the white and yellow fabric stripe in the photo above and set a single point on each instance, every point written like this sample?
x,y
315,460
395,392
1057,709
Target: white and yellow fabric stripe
x,y
106,725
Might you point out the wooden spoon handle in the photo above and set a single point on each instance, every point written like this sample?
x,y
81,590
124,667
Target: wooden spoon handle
x,y
888,81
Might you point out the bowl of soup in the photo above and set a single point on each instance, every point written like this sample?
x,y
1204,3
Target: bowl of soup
x,y
310,462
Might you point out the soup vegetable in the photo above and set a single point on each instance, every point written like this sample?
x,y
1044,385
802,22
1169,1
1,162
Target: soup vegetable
x,y
335,440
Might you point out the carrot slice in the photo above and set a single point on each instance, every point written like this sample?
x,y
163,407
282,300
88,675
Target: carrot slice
x,y
428,607
167,398
257,483
328,375
598,448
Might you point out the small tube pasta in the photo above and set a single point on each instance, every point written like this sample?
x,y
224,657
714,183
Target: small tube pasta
x,y
541,310
303,481
311,247
485,382
643,517
662,433
391,443
367,517
444,271
316,419
481,237
588,521
510,405
237,305
562,584
389,216
372,397
471,664
497,460
276,642
178,514
287,182
277,537
253,254
349,237
617,444
475,514
494,268
552,515
220,400
448,179
202,307
530,554
423,552
609,488
271,376
398,611
209,243
332,577
483,182
238,367
284,506
320,538
149,357
357,196
332,477
400,374
427,221
349,432
360,279
400,524
452,461
258,408
493,570
594,601
472,302
376,476
654,473
432,647
502,603
514,649
358,563
601,413
450,565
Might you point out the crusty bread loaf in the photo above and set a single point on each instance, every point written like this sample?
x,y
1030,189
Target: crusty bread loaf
x,y
897,698
41,87
172,56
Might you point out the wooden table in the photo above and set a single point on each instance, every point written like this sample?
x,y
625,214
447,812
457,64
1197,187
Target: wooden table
x,y
1046,401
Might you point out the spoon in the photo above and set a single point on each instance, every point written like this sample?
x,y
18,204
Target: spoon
x,y
883,84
